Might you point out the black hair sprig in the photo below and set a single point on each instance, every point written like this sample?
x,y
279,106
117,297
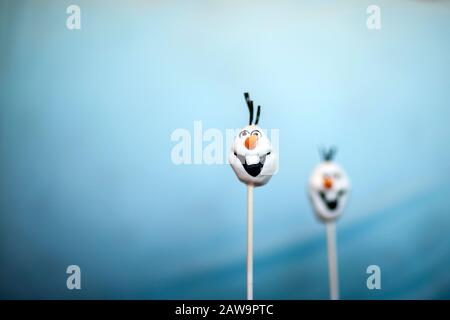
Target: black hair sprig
x,y
250,109
257,115
328,154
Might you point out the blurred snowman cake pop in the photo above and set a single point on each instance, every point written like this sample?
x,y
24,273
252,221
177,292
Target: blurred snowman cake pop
x,y
329,187
252,156
328,191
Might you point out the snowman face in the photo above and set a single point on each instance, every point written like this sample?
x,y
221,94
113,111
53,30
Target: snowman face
x,y
252,156
328,190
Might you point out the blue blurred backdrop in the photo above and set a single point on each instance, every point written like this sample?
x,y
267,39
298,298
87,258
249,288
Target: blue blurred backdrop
x,y
86,175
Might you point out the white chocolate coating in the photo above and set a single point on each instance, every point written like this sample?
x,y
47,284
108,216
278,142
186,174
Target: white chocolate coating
x,y
253,158
328,190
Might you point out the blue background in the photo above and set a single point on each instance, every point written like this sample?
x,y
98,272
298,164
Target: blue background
x,y
86,175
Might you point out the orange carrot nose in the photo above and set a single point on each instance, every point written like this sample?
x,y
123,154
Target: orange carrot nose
x,y
327,183
250,142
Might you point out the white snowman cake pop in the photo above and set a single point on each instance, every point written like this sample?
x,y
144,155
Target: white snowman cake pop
x,y
329,187
252,156
254,162
328,191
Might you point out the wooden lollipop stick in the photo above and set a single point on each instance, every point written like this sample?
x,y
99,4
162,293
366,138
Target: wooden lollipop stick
x,y
249,242
332,260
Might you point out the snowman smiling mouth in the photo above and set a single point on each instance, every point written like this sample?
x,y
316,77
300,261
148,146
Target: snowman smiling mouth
x,y
331,204
252,164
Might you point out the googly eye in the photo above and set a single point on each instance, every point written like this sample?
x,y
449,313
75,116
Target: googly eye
x,y
244,133
256,133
